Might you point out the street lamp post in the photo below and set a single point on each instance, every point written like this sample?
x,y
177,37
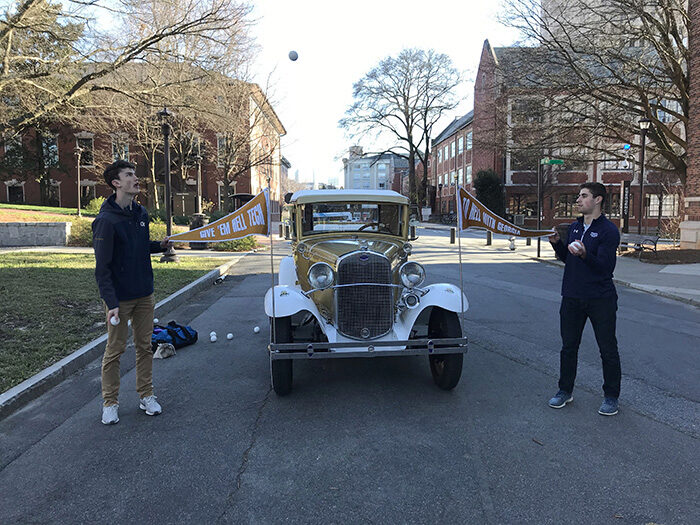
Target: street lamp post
x,y
78,151
549,162
198,200
644,124
164,115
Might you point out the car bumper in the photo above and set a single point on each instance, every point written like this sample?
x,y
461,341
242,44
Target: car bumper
x,y
456,345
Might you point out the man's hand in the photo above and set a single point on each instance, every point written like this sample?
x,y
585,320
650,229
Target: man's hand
x,y
166,243
577,248
554,238
114,312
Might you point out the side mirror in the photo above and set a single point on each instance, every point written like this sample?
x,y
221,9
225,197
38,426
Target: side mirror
x,y
412,233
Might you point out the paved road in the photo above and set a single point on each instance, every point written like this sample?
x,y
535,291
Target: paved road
x,y
372,440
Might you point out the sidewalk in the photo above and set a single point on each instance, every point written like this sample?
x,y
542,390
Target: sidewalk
x,y
680,282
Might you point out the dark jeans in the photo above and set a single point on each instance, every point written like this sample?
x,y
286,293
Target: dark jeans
x,y
603,315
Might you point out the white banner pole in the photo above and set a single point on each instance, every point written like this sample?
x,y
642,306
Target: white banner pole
x,y
459,244
272,258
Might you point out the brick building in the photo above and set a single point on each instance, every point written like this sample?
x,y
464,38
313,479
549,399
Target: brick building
x,y
451,161
58,154
502,107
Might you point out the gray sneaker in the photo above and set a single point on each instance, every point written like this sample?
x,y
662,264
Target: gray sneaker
x,y
561,399
609,407
150,405
110,415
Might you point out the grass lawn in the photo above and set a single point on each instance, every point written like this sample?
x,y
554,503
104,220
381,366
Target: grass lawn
x,y
50,306
43,209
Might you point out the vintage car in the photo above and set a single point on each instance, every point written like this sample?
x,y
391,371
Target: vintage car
x,y
349,290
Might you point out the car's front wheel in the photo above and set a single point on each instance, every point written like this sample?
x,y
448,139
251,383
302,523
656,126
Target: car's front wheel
x,y
281,369
445,368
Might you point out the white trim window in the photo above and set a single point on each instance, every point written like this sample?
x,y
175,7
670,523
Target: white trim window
x,y
460,145
87,158
49,151
460,176
120,149
468,177
15,196
220,150
469,141
452,149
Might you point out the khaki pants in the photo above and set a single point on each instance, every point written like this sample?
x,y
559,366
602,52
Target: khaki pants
x,y
140,311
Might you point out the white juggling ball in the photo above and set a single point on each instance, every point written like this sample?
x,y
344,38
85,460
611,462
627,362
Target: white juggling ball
x,y
229,336
256,329
114,321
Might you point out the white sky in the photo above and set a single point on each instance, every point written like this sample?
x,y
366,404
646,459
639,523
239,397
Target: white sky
x,y
338,43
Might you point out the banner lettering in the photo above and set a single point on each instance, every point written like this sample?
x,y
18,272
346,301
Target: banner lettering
x,y
251,219
473,214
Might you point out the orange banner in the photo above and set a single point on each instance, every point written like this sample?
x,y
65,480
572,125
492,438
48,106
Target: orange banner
x,y
473,214
253,218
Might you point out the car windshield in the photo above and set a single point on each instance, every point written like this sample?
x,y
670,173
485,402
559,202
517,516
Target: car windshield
x,y
324,217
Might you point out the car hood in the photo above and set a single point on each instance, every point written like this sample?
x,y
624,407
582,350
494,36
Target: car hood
x,y
330,250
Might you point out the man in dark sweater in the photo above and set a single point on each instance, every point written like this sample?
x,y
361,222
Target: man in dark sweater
x,y
125,279
588,292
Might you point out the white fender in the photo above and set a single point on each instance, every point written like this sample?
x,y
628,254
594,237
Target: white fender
x,y
444,295
288,272
288,301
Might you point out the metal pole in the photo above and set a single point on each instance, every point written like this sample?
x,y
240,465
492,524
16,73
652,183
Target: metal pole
x,y
166,157
641,183
169,255
539,202
79,188
459,249
273,337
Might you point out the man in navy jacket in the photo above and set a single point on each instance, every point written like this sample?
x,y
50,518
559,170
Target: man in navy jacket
x,y
125,280
588,292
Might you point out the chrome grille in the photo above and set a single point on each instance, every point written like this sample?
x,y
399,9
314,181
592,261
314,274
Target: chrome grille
x,y
364,311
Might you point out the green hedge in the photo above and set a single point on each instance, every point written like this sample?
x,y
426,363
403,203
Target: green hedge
x,y
80,233
240,245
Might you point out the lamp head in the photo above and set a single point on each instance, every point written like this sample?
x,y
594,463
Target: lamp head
x,y
644,124
164,115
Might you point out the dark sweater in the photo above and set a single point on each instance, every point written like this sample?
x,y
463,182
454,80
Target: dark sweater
x,y
591,277
123,252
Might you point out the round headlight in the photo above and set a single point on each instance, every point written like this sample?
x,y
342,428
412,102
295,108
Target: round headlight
x,y
321,275
412,274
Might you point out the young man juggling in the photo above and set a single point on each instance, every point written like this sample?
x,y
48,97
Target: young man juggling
x,y
125,280
588,292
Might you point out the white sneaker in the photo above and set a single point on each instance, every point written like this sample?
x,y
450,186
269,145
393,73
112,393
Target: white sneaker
x,y
150,405
110,415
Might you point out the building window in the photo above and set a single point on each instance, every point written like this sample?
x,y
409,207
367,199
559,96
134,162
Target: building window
x,y
566,205
49,150
469,141
669,205
460,176
15,192
444,152
468,178
86,157
452,176
524,160
439,155
523,204
120,150
54,193
460,144
220,151
452,149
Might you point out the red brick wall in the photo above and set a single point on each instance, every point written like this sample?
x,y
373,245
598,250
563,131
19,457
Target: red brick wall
x,y
486,154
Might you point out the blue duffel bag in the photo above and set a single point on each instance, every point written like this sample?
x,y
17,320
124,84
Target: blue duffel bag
x,y
176,334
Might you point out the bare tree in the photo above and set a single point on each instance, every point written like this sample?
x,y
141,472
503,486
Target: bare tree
x,y
399,100
74,61
593,68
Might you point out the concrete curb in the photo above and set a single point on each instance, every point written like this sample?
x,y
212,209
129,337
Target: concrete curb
x,y
634,286
28,390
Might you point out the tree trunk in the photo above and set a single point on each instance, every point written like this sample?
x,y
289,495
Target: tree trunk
x,y
412,187
153,186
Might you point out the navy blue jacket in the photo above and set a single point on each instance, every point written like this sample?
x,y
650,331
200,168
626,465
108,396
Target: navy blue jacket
x,y
123,252
591,277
